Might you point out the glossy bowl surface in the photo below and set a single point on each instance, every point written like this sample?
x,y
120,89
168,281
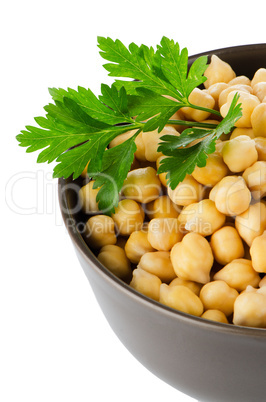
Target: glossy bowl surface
x,y
208,361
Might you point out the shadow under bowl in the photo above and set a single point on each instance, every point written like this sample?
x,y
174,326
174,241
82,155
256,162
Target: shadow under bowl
x,y
206,360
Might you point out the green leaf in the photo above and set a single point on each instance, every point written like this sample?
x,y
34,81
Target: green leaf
x,y
183,161
234,113
90,104
116,164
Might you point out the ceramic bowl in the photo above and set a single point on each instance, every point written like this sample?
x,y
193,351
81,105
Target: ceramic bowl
x,y
206,360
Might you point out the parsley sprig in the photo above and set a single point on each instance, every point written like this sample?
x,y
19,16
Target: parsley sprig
x,y
150,86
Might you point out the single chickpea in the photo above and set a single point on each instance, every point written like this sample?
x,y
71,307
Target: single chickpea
x,y
226,245
194,286
186,192
257,252
142,185
151,140
258,120
259,90
162,207
136,245
128,217
100,231
218,295
158,263
181,298
200,98
260,143
192,258
252,222
230,88
140,152
213,172
215,315
146,283
238,274
239,153
87,198
259,76
255,177
238,131
162,176
114,258
201,217
231,195
214,90
240,79
262,282
119,139
248,104
218,71
163,233
250,309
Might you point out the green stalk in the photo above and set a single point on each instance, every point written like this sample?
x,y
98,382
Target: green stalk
x,y
191,123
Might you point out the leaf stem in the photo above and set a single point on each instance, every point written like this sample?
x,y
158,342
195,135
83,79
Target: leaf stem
x,y
204,109
191,123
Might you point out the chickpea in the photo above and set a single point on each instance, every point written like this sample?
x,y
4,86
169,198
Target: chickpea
x,y
239,153
262,282
250,309
201,217
119,139
238,274
226,245
136,245
252,222
213,172
259,90
259,76
151,140
218,71
142,185
238,131
192,258
215,315
100,231
231,195
114,258
214,90
257,252
258,120
260,143
128,217
240,79
255,177
146,283
200,98
158,263
181,298
186,192
248,104
194,286
218,295
236,88
163,233
178,115
87,198
162,176
162,207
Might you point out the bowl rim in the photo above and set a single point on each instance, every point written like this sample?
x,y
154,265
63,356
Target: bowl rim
x,y
119,284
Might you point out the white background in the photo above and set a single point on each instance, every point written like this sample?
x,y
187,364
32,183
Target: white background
x,y
55,344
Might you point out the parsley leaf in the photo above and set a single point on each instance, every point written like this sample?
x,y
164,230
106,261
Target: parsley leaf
x,y
183,156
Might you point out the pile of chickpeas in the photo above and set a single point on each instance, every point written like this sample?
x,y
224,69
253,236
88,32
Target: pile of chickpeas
x,y
199,248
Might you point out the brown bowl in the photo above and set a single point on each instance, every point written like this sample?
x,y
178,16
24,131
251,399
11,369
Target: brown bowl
x,y
206,360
